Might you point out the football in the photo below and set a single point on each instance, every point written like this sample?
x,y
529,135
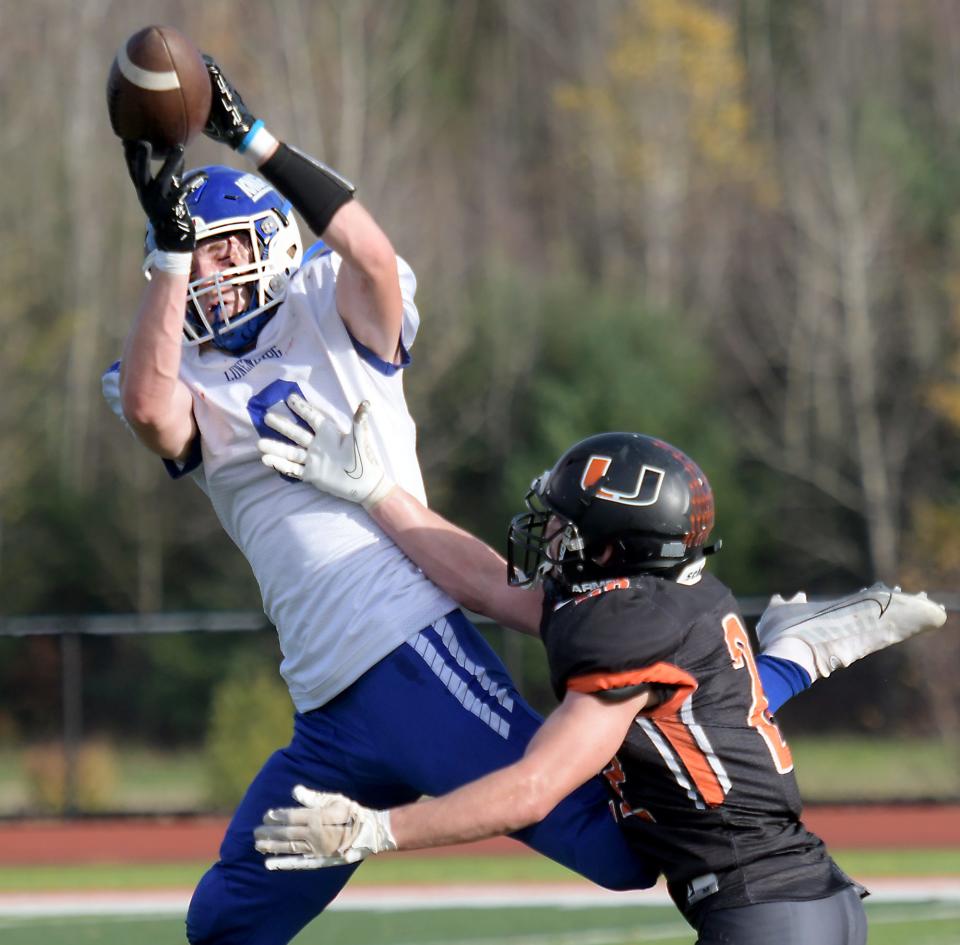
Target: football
x,y
158,89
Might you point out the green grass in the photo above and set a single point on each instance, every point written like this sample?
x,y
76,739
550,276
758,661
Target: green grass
x,y
918,923
829,768
890,924
899,862
386,871
146,780
862,864
100,876
514,926
841,768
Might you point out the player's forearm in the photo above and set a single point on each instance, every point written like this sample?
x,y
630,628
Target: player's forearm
x,y
469,570
498,804
154,400
575,742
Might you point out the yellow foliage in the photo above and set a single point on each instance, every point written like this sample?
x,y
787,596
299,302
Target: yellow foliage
x,y
673,81
944,397
45,767
945,400
931,552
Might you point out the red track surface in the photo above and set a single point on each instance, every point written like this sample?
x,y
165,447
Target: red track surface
x,y
169,840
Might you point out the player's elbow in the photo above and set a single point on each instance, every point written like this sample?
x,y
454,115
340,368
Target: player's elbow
x,y
378,262
484,590
139,411
470,599
147,419
156,428
536,798
361,242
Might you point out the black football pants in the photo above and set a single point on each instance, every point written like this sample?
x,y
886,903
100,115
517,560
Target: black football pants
x,y
837,920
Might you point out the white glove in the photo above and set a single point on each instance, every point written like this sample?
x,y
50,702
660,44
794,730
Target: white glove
x,y
328,830
346,465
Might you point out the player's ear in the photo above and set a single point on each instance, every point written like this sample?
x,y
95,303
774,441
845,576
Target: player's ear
x,y
604,554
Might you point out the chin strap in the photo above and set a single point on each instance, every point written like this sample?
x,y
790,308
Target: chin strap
x,y
691,573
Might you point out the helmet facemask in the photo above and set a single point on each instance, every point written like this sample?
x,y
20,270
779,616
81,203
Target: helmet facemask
x,y
273,260
228,202
540,542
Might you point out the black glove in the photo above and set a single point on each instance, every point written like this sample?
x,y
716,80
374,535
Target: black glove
x,y
230,120
164,197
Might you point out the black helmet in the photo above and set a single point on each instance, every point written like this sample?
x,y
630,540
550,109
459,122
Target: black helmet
x,y
639,497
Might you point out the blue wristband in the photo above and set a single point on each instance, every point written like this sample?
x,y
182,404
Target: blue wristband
x,y
249,136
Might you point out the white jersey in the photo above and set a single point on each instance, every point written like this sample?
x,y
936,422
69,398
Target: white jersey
x,y
338,590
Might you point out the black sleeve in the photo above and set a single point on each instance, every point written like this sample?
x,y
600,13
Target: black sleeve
x,y
316,190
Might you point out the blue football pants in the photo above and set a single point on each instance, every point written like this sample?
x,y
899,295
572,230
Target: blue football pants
x,y
436,713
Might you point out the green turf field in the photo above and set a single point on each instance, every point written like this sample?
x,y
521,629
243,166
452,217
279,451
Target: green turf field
x,y
930,923
861,864
890,924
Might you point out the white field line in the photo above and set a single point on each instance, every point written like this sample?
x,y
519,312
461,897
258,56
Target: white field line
x,y
641,932
409,898
611,935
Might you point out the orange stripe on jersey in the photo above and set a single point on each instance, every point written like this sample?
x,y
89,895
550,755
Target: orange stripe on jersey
x,y
693,758
661,674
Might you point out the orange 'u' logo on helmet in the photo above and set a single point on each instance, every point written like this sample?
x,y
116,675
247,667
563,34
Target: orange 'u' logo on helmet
x,y
646,491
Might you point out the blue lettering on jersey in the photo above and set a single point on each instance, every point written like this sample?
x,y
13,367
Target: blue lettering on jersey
x,y
243,366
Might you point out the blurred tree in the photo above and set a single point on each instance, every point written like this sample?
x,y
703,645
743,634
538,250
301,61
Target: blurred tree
x,y
932,548
663,125
933,560
549,366
867,330
727,221
250,717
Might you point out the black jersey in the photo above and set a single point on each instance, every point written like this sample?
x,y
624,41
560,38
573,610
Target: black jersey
x,y
703,784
